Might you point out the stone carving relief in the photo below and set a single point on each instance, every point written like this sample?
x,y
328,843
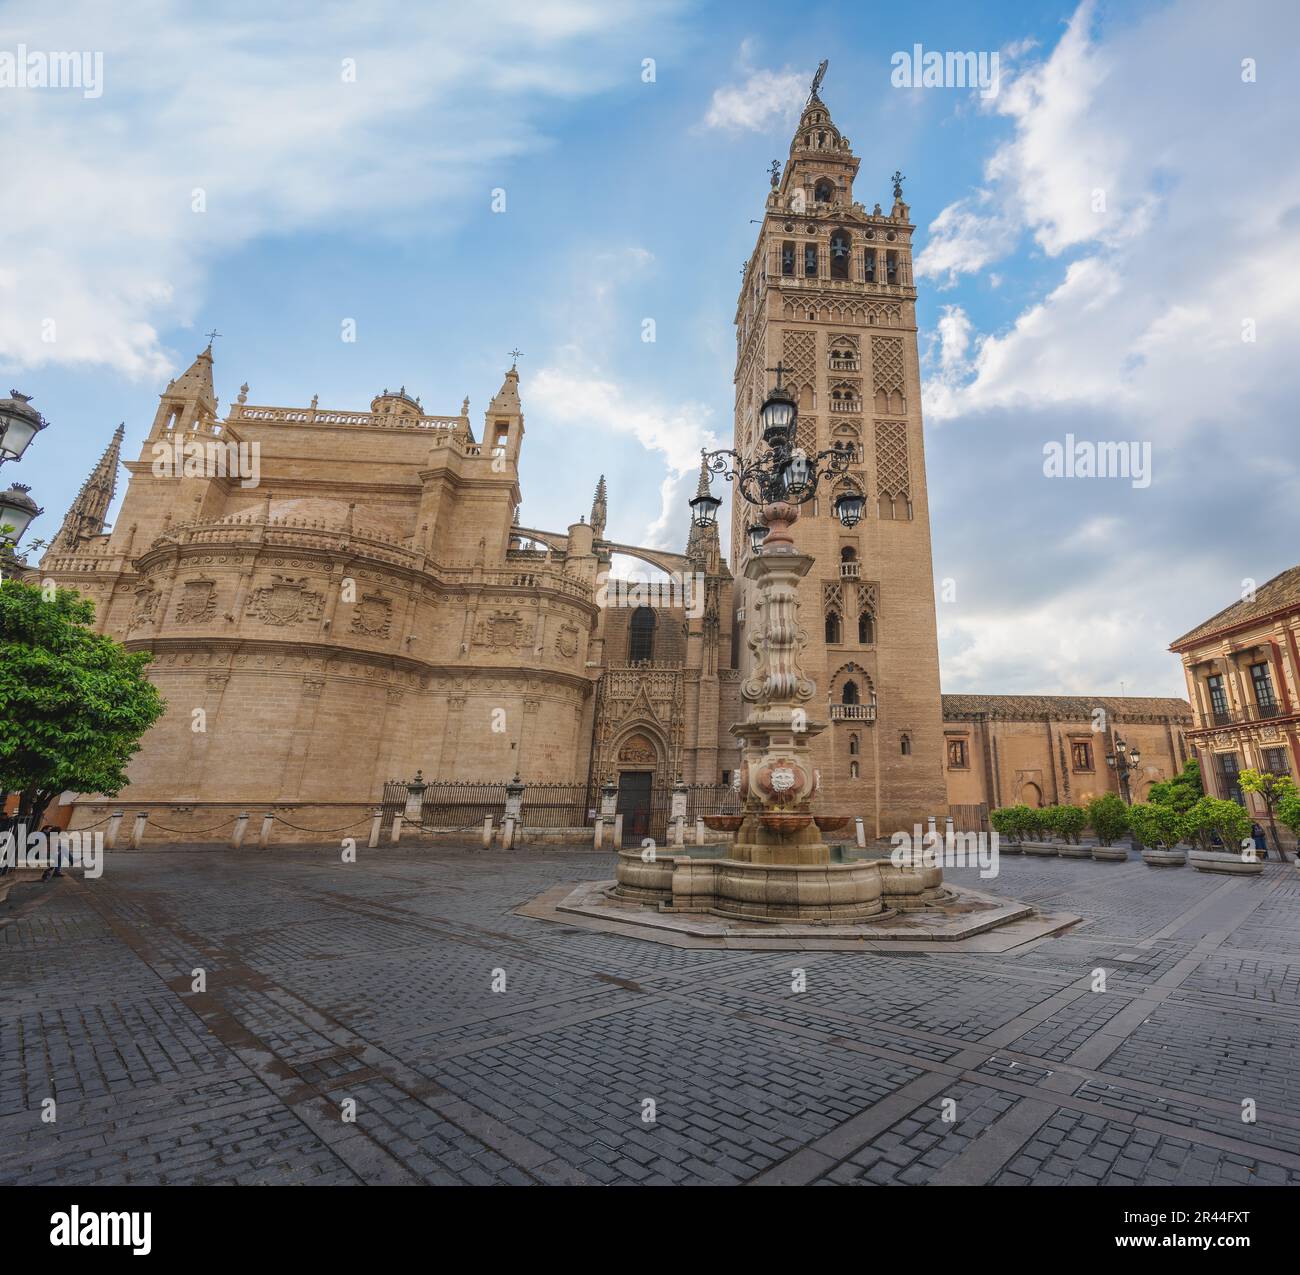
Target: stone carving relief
x,y
501,631
373,615
198,602
286,600
566,641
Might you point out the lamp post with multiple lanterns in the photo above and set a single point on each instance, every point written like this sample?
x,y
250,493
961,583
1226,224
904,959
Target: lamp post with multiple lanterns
x,y
20,422
776,780
1124,761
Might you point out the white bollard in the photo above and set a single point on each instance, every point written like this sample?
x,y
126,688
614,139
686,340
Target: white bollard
x,y
679,831
508,833
600,831
487,833
397,830
137,833
860,832
376,827
618,831
114,825
699,832
264,836
241,826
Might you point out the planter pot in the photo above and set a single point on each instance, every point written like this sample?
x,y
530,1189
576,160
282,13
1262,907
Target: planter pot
x,y
1170,857
1110,854
1040,848
1010,847
1070,851
1222,861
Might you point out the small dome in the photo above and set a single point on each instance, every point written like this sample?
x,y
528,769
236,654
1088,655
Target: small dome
x,y
396,403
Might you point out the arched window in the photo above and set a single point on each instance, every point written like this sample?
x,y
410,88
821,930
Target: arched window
x,y
823,192
841,254
848,554
833,627
853,745
810,260
849,695
853,770
641,636
787,258
907,745
866,629
869,265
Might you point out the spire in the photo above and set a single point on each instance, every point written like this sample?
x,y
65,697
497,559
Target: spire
x,y
820,171
599,509
703,547
89,511
507,397
196,381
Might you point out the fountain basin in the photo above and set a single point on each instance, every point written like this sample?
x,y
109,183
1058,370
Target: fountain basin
x,y
829,823
784,824
724,823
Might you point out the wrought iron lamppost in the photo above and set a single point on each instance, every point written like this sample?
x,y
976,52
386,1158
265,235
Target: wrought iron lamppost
x,y
19,424
1125,762
776,780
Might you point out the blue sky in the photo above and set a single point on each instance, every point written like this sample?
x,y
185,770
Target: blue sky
x,y
369,197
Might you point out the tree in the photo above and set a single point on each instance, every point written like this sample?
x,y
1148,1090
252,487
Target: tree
x,y
1272,788
1288,811
1155,824
1067,822
1181,792
73,703
1108,816
1209,816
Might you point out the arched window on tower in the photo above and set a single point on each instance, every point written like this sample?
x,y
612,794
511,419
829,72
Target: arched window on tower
x,y
787,259
906,745
848,554
853,745
849,695
869,265
833,629
810,260
641,636
866,629
841,254
824,191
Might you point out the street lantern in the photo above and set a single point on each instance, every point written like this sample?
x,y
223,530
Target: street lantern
x,y
849,506
17,509
795,476
757,534
19,424
704,509
778,416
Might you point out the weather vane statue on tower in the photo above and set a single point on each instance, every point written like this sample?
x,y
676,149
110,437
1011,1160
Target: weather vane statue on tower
x,y
817,80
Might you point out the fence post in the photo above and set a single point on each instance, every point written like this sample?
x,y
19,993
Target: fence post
x,y
114,825
376,823
415,798
264,837
860,833
678,813
487,833
241,826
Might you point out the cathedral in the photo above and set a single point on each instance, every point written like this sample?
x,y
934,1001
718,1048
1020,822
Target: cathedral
x,y
371,606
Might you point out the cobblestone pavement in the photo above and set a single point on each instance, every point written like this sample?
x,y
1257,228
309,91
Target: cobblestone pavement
x,y
478,1046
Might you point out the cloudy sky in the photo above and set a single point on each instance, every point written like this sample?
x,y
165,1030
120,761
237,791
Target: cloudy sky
x,y
1109,249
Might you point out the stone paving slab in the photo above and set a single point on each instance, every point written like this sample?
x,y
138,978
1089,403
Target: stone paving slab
x,y
407,1019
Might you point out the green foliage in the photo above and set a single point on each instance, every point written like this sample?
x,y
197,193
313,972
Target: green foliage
x,y
1012,822
1156,824
1108,816
1067,822
1273,788
73,703
1211,815
1288,811
1181,792
1038,821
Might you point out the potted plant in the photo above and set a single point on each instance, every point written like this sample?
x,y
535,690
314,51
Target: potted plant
x,y
1068,823
1220,833
1040,823
1108,816
1011,823
1159,829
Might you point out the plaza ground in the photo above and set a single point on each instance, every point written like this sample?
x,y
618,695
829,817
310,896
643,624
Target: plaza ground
x,y
373,982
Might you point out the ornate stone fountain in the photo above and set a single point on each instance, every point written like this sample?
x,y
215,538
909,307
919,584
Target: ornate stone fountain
x,y
779,868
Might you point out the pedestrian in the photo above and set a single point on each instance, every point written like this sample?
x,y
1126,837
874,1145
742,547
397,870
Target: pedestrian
x,y
1260,840
54,849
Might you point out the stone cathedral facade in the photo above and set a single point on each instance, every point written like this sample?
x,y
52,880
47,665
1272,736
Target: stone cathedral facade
x,y
373,607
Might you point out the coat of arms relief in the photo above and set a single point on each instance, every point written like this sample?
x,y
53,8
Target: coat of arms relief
x,y
285,600
501,631
373,615
198,602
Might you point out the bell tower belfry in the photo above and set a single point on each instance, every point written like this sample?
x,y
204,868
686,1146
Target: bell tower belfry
x,y
828,295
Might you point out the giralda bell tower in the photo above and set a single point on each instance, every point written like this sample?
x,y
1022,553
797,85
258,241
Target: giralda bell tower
x,y
828,295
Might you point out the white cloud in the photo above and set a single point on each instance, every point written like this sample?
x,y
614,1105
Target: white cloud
x,y
762,100
258,115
